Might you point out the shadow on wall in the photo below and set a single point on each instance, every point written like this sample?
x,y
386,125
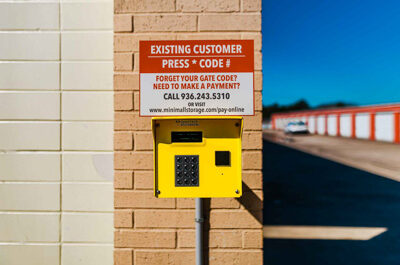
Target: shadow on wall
x,y
251,202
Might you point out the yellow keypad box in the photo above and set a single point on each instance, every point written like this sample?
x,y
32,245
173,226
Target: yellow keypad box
x,y
197,157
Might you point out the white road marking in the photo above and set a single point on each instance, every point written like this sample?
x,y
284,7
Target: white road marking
x,y
322,232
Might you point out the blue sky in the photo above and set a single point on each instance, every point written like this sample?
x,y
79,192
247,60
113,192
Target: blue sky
x,y
331,50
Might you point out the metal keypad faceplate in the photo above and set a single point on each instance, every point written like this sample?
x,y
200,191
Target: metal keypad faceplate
x,y
186,171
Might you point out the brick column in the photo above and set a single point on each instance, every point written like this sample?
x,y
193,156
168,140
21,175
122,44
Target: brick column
x,y
396,127
273,123
316,124
353,125
372,126
161,231
326,125
338,124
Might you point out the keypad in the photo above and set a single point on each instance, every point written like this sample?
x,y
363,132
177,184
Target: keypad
x,y
186,171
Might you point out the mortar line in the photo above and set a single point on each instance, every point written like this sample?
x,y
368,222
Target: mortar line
x,y
61,155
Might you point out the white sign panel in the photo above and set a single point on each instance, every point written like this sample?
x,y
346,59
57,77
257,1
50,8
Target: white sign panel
x,y
196,78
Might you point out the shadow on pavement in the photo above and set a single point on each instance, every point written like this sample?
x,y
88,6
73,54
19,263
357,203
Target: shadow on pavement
x,y
302,189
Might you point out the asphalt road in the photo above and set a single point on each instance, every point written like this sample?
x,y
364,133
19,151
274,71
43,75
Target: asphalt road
x,y
305,190
381,158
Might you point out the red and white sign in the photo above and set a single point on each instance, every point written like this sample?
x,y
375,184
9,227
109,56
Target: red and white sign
x,y
196,77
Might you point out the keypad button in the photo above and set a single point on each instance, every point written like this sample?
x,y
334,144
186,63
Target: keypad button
x,y
186,170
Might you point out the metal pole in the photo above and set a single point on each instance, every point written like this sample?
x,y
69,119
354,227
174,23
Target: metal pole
x,y
199,231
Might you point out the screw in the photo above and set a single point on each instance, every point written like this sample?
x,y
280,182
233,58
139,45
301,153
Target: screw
x,y
237,124
237,191
157,124
158,191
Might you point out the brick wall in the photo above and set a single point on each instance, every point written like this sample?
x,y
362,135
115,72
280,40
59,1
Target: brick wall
x,y
161,231
56,131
